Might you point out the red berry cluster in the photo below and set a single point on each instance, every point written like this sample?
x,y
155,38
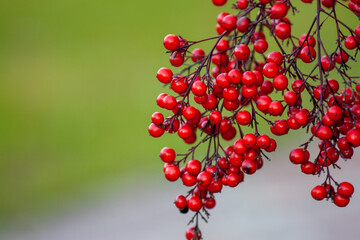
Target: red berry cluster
x,y
226,94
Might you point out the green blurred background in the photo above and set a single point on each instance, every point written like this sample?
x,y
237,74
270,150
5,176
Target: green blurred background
x,y
77,89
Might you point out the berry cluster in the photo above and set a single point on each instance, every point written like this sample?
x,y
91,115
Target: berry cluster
x,y
225,94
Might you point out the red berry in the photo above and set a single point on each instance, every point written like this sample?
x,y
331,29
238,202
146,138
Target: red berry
x,y
167,155
194,203
260,46
164,75
209,202
204,179
156,131
193,167
197,55
171,42
248,166
274,57
243,117
270,70
283,30
172,173
242,52
157,118
219,2
242,4
243,24
353,137
345,189
307,54
229,22
191,232
198,88
318,193
297,156
180,202
280,82
341,201
278,11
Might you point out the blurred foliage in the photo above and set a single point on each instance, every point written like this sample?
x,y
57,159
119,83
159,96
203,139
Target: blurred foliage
x,y
77,89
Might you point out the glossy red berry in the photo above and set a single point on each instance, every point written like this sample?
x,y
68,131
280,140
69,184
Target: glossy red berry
x,y
172,173
164,75
242,52
193,167
194,203
156,131
219,2
180,202
340,200
229,22
318,193
171,42
243,117
345,189
167,155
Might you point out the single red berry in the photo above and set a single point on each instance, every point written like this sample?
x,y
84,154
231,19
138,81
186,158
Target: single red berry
x,y
270,70
209,202
341,57
171,42
248,78
318,193
308,168
164,75
222,45
307,41
157,118
229,22
219,2
234,76
215,117
278,10
198,88
350,42
275,108
345,189
192,231
263,141
243,24
324,133
167,155
353,137
172,173
283,30
176,59
340,200
242,4
249,140
180,202
156,131
328,3
307,54
243,117
233,180
280,82
297,156
274,57
248,166
204,179
197,55
193,167
260,46
242,52
194,203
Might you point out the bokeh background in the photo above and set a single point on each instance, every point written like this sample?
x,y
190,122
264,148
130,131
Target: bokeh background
x,y
77,89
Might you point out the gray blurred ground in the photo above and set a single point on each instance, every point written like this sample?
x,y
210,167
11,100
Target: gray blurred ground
x,y
275,203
